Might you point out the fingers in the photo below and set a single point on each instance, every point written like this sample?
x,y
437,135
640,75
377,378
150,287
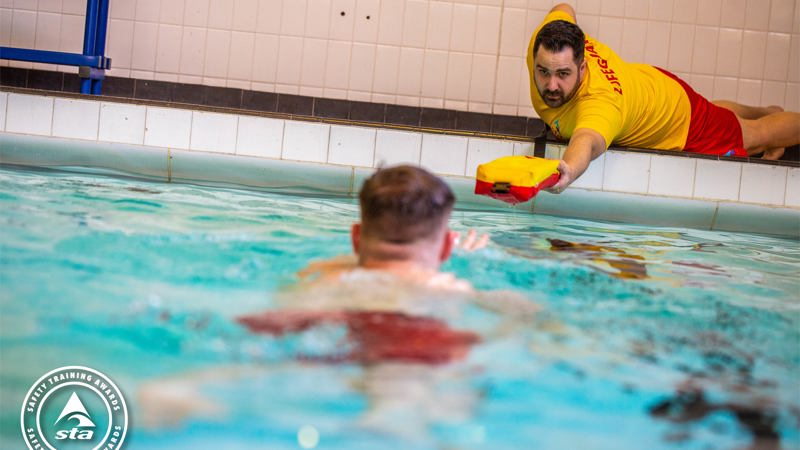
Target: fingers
x,y
472,242
558,187
564,180
482,242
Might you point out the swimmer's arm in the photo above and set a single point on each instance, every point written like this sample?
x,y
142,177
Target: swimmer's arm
x,y
584,146
166,402
169,401
517,312
565,7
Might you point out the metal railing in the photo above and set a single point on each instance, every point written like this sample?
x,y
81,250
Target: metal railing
x,y
92,63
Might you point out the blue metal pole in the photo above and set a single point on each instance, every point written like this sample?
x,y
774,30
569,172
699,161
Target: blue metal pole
x,y
100,41
92,63
45,56
102,25
89,40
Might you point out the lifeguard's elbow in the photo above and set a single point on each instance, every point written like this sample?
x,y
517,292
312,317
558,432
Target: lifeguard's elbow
x,y
565,7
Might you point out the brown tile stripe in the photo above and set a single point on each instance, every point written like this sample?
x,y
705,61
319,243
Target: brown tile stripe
x,y
298,107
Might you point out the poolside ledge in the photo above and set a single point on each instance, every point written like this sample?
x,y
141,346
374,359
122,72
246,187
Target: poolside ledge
x,y
256,151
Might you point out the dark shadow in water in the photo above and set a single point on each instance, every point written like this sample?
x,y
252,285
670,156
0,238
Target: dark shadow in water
x,y
689,405
627,266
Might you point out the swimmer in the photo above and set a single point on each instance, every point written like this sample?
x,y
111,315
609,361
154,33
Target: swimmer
x,y
396,309
399,246
403,231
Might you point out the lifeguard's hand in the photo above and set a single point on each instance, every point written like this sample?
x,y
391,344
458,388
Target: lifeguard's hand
x,y
567,177
472,242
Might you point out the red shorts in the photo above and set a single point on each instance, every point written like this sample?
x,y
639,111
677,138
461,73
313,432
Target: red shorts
x,y
713,130
375,335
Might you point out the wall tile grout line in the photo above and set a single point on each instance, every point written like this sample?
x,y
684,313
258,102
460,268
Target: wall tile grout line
x,y
97,131
52,114
283,141
714,216
741,176
786,188
5,111
169,165
351,187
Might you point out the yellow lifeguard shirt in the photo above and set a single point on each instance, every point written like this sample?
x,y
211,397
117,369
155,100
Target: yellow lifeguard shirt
x,y
630,105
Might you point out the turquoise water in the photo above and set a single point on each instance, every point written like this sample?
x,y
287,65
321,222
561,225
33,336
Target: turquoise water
x,y
647,338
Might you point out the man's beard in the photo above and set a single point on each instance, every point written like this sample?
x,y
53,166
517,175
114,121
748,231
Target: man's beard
x,y
559,98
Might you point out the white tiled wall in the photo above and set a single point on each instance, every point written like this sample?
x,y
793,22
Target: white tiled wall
x,y
397,147
717,180
444,154
626,172
168,127
29,114
671,176
213,132
259,136
615,171
3,106
459,54
481,151
594,175
523,148
793,188
352,146
122,123
305,141
77,119
763,184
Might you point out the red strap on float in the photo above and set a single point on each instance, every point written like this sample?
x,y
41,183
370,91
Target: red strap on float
x,y
513,194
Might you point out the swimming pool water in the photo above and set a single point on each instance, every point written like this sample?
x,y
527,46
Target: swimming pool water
x,y
648,337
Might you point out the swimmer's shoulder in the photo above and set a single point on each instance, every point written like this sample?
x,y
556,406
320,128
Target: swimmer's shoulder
x,y
449,282
328,268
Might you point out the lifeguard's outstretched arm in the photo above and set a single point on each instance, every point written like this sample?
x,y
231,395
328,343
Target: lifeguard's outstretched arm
x,y
584,146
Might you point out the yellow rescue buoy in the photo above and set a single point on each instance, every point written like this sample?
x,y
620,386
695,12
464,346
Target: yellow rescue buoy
x,y
516,179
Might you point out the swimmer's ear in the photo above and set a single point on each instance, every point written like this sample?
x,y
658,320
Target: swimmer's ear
x,y
355,236
448,244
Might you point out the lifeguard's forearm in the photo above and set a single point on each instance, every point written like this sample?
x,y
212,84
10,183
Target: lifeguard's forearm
x,y
584,146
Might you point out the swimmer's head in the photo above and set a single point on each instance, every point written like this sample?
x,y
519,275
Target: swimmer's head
x,y
404,215
404,204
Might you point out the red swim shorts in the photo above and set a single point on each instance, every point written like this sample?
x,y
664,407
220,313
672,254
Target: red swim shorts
x,y
713,130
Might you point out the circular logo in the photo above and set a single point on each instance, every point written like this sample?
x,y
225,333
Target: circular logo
x,y
74,407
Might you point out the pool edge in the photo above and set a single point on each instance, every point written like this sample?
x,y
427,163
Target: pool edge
x,y
216,169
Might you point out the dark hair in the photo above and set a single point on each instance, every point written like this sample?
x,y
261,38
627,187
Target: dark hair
x,y
404,204
558,34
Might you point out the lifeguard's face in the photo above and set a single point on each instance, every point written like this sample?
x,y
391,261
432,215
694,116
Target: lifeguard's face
x,y
556,75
